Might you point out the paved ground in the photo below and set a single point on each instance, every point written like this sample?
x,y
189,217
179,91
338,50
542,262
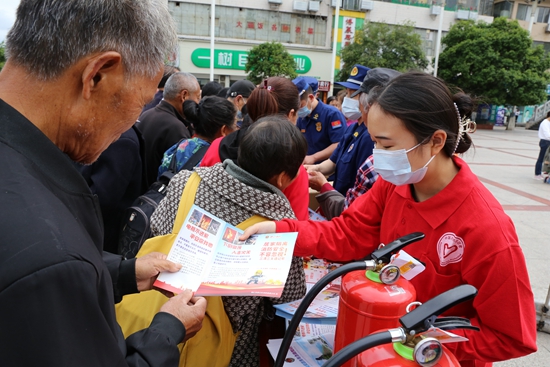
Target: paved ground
x,y
504,161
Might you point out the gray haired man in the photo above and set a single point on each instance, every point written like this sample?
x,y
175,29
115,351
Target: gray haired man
x,y
77,75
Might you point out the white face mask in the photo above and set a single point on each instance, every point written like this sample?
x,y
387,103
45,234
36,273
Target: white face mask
x,y
350,108
394,166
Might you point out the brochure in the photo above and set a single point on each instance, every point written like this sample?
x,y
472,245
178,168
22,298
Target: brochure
x,y
324,308
305,352
216,263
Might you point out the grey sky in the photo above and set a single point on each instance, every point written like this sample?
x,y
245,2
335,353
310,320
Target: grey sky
x,y
7,16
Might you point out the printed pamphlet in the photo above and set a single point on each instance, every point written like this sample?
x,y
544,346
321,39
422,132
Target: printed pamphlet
x,y
310,351
216,263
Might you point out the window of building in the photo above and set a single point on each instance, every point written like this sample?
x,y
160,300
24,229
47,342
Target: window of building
x,y
351,5
524,13
503,9
250,24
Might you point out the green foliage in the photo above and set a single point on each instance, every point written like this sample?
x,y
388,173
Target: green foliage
x,y
396,47
2,54
497,63
269,59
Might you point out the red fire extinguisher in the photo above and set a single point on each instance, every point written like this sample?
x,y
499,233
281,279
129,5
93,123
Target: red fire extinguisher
x,y
372,301
405,346
361,314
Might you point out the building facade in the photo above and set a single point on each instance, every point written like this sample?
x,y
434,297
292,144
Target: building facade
x,y
305,28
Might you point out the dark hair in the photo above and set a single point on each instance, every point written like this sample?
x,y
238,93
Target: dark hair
x,y
306,93
425,104
331,98
209,115
285,93
223,93
271,146
211,89
168,71
548,114
261,103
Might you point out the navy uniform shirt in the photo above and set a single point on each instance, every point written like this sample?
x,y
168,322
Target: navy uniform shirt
x,y
324,126
354,148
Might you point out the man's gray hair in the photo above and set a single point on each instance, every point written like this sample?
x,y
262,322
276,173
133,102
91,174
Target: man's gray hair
x,y
50,36
178,82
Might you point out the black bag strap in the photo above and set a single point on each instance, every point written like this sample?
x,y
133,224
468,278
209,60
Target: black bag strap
x,y
195,158
189,165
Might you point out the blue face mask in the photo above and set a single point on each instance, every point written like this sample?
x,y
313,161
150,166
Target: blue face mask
x,y
239,115
304,111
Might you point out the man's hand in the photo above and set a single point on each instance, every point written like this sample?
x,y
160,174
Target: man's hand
x,y
149,266
309,159
316,180
263,227
188,309
312,167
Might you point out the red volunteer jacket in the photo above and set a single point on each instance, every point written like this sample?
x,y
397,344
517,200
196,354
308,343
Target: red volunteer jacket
x,y
469,239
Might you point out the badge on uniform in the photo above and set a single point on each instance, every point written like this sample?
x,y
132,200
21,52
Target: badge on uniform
x,y
336,124
356,134
350,148
303,131
318,126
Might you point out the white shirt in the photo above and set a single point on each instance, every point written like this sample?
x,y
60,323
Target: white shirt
x,y
544,129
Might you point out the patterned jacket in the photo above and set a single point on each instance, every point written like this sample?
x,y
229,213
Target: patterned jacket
x,y
234,200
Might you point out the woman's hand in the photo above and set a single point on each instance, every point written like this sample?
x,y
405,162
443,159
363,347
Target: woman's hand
x,y
316,180
258,228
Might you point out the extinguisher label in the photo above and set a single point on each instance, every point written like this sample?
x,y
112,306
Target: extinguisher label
x,y
394,290
408,265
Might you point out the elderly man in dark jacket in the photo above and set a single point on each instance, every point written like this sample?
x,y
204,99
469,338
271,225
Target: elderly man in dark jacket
x,y
96,63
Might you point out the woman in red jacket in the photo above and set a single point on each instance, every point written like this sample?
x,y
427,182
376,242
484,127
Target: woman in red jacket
x,y
418,126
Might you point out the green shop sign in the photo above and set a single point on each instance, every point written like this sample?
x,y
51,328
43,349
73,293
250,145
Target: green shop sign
x,y
236,60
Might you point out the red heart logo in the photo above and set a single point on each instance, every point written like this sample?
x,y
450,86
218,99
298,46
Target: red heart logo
x,y
447,250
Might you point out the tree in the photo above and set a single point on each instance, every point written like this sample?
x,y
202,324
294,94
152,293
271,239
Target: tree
x,y
497,62
396,47
269,59
2,54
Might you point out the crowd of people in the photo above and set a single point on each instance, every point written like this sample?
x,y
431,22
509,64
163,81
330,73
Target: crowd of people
x,y
383,155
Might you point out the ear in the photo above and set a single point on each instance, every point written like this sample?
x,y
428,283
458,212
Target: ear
x,y
184,94
99,69
224,131
439,138
292,116
278,180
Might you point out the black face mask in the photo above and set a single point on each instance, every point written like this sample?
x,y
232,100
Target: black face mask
x,y
244,110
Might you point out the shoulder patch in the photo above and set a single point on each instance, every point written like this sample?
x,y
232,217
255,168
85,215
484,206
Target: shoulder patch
x,y
336,124
450,249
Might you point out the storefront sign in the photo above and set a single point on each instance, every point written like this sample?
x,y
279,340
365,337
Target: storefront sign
x,y
236,60
324,86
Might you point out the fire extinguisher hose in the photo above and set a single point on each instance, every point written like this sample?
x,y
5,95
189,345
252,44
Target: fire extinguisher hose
x,y
361,345
306,301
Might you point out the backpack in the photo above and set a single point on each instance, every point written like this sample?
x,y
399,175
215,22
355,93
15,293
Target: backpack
x,y
136,221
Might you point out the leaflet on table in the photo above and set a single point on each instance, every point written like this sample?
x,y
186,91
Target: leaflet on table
x,y
315,269
216,263
322,310
308,330
305,352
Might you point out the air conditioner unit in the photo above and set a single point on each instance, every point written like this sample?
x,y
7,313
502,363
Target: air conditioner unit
x,y
463,14
367,5
435,10
473,15
278,2
300,5
333,3
314,5
547,29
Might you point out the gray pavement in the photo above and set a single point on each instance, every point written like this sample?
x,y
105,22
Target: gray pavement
x,y
504,161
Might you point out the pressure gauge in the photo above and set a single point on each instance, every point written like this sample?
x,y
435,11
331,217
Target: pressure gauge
x,y
428,352
389,274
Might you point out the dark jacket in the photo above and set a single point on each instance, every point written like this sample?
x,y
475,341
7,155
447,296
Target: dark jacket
x,y
161,127
57,288
116,178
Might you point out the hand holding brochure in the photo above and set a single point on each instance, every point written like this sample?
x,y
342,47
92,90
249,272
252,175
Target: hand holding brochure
x,y
216,263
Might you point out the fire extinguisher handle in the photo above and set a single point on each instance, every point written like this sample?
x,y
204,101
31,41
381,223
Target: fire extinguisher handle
x,y
383,254
415,320
452,323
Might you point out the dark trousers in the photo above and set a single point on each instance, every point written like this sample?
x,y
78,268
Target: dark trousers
x,y
543,144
